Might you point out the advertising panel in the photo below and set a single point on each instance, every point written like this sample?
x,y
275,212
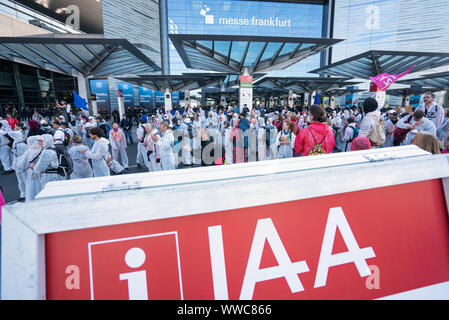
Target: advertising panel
x,y
83,15
146,98
101,90
331,247
128,94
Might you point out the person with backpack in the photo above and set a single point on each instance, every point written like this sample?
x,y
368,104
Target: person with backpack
x,y
47,160
103,125
286,140
59,136
318,138
371,127
350,132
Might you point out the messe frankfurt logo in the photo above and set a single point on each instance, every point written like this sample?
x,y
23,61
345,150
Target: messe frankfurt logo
x,y
208,18
245,21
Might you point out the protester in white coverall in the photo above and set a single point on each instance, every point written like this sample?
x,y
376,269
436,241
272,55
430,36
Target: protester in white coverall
x,y
152,150
5,150
262,140
26,163
118,143
99,153
48,159
165,144
18,150
227,142
141,152
81,166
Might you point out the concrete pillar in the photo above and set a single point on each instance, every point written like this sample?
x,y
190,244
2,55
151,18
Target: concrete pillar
x,y
406,101
121,103
332,102
290,98
187,98
271,102
84,90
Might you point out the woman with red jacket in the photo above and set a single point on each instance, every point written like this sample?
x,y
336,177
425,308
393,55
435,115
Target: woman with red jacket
x,y
318,132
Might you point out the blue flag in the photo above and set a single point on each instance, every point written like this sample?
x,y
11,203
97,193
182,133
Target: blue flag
x,y
79,102
317,99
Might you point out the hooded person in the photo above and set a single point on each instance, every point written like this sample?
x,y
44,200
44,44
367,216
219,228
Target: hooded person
x,y
118,143
81,166
141,159
48,159
152,150
99,154
227,142
165,145
18,150
5,149
360,143
262,140
271,132
26,164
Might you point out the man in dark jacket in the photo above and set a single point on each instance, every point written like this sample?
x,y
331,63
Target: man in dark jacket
x,y
126,125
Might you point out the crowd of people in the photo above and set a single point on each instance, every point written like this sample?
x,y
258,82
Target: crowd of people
x,y
69,146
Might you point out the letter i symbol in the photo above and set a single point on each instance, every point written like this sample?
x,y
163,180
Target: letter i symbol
x,y
137,280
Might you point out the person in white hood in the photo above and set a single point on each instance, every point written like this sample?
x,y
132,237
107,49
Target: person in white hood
x,y
99,153
47,160
5,150
81,166
26,163
18,150
165,145
262,140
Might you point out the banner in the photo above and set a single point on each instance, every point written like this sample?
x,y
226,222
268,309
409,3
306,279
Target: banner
x,y
385,80
128,94
344,246
101,90
159,99
246,92
146,98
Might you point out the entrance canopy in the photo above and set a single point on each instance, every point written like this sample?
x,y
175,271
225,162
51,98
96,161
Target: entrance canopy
x,y
231,53
373,63
342,92
305,85
79,56
177,82
437,80
230,80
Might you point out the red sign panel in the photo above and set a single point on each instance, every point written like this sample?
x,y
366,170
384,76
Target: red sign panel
x,y
360,245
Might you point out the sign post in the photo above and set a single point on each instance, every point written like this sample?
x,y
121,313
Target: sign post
x,y
246,90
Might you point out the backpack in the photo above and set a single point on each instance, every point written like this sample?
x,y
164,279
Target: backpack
x,y
67,139
399,134
378,137
318,147
65,167
356,131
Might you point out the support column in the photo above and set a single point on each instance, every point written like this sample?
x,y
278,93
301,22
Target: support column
x,y
378,95
187,98
290,98
332,102
406,101
121,103
246,90
84,90
271,102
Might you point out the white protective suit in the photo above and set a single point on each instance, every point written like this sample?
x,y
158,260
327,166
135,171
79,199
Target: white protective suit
x,y
18,150
47,160
81,166
99,154
151,146
5,150
262,140
141,152
272,148
118,146
165,144
286,150
229,146
33,179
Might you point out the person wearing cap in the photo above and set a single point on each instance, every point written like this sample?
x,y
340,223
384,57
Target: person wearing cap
x,y
372,117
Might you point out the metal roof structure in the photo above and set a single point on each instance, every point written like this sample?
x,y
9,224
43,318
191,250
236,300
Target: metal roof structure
x,y
232,53
176,82
231,79
78,56
374,62
342,92
408,92
436,80
305,84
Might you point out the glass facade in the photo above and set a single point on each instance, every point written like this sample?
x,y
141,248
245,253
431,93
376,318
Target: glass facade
x,y
398,25
33,87
238,17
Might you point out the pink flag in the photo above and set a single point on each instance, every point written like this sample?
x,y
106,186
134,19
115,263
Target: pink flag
x,y
384,81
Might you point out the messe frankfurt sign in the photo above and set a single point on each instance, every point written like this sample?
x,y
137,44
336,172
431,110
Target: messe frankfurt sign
x,y
239,21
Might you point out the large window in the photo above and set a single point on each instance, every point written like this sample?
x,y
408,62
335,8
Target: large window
x,y
246,18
